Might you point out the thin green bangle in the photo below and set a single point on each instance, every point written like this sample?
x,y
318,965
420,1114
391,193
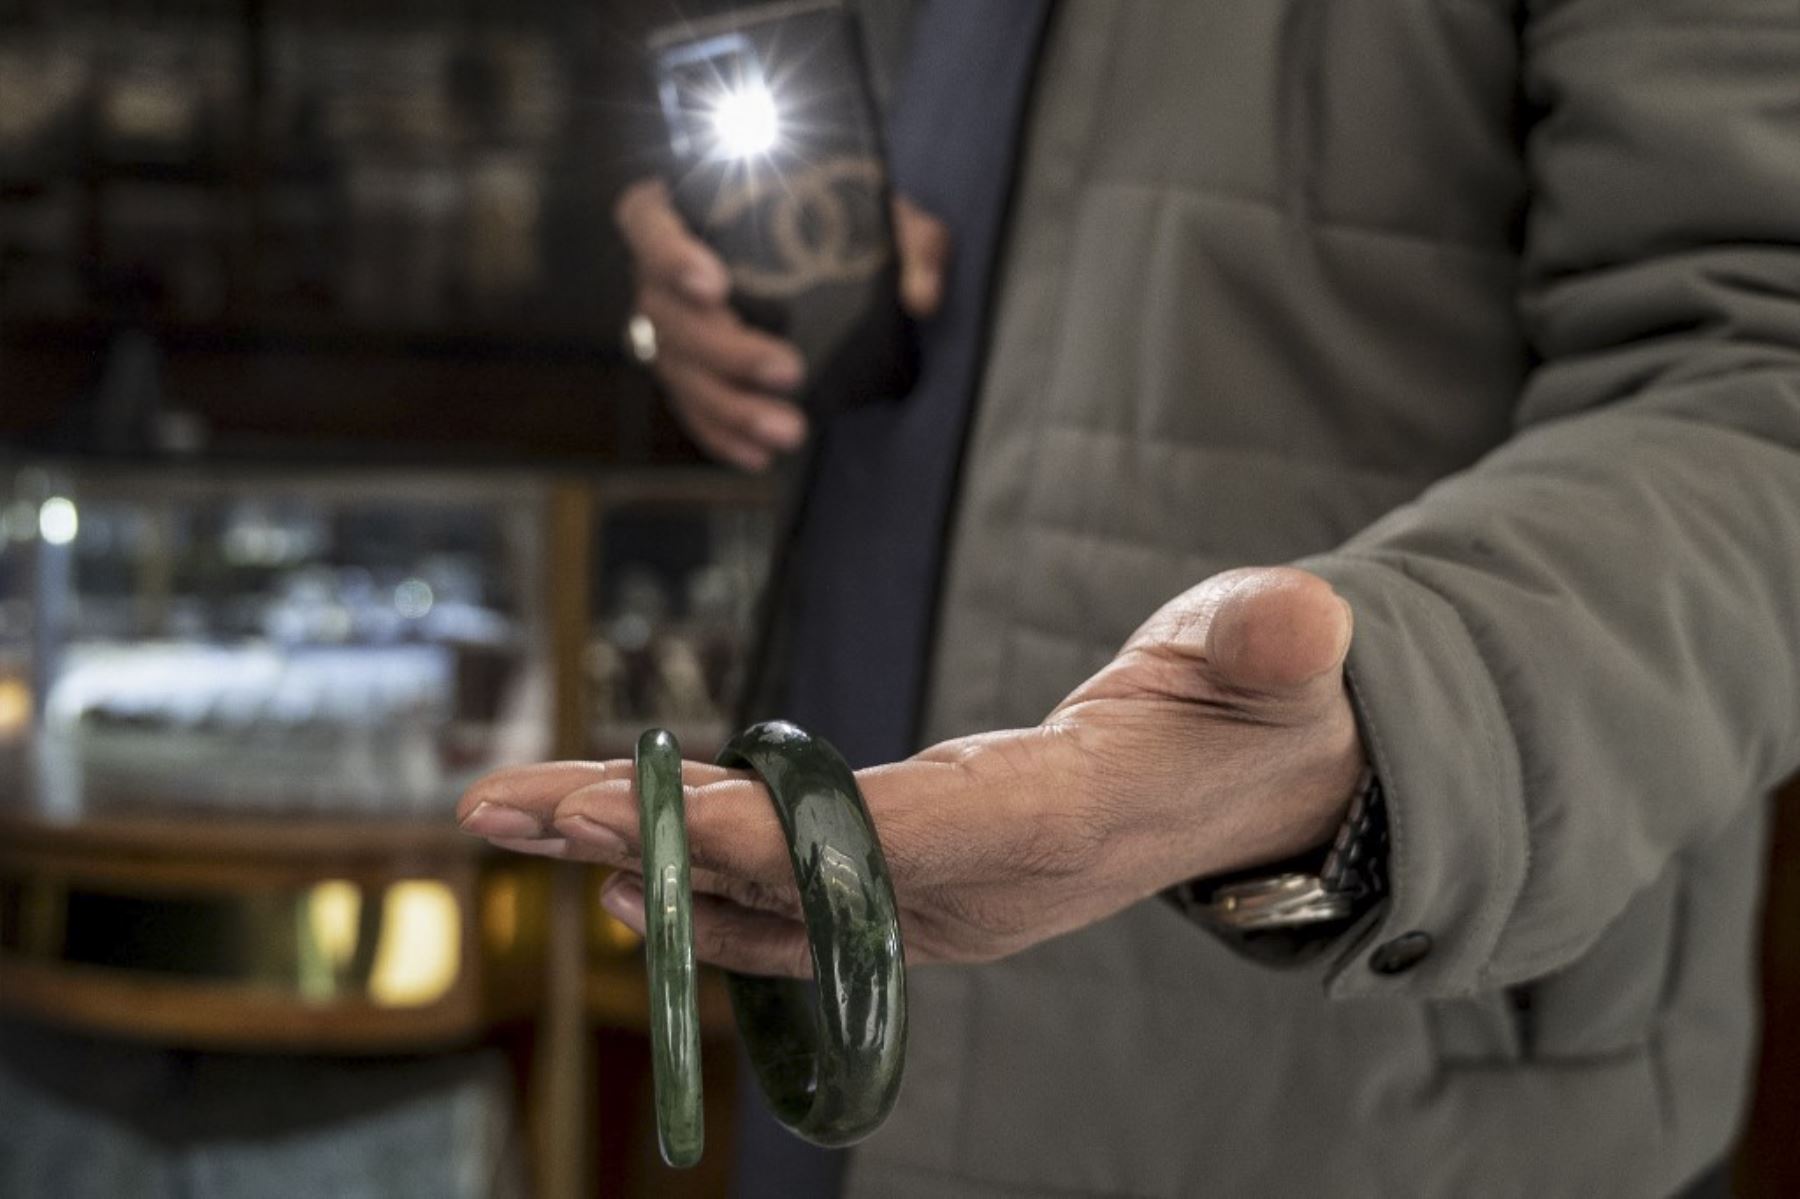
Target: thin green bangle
x,y
669,950
829,1057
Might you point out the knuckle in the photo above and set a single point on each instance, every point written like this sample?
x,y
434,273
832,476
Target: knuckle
x,y
710,941
747,893
771,899
728,862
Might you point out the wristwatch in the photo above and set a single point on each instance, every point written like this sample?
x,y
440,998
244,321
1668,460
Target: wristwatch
x,y
1280,911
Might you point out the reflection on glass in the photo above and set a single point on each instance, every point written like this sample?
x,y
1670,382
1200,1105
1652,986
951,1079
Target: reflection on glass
x,y
279,647
677,595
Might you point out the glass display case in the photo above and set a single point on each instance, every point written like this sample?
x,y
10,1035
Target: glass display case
x,y
675,564
677,567
337,643
236,709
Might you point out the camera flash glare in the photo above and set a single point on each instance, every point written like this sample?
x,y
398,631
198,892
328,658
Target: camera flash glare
x,y
746,123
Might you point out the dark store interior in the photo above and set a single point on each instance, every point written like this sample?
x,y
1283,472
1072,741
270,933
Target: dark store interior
x,y
327,484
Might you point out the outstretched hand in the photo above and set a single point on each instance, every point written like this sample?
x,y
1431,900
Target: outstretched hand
x,y
1220,737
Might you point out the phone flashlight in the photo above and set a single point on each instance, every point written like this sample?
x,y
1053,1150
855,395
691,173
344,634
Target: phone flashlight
x,y
775,160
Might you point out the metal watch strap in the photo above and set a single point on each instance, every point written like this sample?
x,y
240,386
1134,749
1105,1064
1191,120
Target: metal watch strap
x,y
1356,865
1286,898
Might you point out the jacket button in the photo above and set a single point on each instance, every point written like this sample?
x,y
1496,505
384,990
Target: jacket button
x,y
1401,954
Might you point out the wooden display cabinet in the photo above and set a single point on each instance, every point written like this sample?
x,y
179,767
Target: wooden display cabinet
x,y
177,871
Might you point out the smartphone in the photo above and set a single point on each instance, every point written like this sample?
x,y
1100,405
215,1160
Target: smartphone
x,y
775,159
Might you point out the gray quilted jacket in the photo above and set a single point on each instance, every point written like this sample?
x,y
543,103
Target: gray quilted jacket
x,y
1490,313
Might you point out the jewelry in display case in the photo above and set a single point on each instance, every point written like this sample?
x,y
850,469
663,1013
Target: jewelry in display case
x,y
343,643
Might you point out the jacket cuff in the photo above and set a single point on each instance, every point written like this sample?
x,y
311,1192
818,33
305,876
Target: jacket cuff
x,y
1439,739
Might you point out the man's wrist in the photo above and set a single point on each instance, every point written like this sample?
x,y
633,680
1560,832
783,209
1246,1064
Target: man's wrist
x,y
1289,910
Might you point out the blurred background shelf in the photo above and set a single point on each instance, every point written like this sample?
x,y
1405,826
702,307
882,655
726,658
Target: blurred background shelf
x,y
237,703
308,324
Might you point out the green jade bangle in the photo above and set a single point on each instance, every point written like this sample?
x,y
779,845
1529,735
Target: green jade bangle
x,y
669,950
828,1053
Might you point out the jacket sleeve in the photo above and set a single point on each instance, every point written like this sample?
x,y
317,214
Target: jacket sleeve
x,y
1583,654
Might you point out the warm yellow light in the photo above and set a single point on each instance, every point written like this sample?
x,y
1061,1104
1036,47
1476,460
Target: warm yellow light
x,y
333,908
15,708
421,945
500,914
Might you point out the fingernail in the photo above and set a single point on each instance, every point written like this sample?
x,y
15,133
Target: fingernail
x,y
780,374
593,834
623,900
497,820
546,847
703,283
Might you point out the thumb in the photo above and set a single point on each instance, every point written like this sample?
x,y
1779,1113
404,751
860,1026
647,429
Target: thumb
x,y
924,245
1278,632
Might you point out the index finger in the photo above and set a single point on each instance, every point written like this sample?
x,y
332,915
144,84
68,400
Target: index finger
x,y
931,827
522,803
732,828
533,790
666,250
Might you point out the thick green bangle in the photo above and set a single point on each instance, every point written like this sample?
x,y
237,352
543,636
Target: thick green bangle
x,y
669,950
828,1055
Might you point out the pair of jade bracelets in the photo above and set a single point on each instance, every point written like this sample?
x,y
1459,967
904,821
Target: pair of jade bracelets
x,y
828,1052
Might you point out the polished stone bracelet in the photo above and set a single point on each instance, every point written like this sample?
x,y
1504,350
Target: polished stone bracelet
x,y
828,1053
669,949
